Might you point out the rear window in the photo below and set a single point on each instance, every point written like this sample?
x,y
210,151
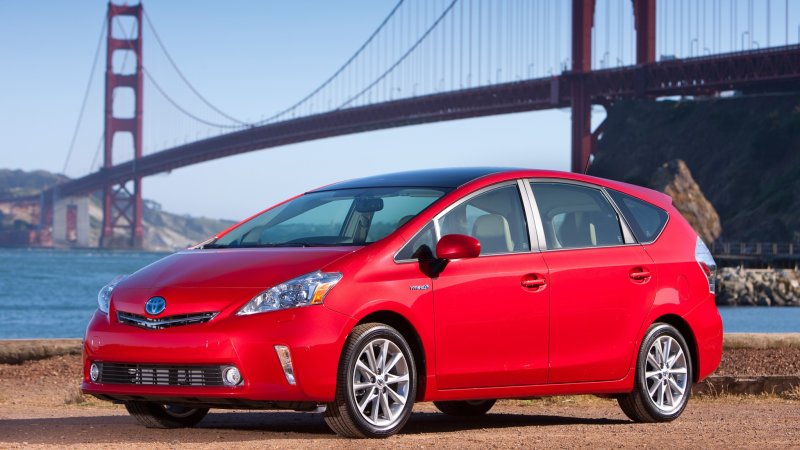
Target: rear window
x,y
646,220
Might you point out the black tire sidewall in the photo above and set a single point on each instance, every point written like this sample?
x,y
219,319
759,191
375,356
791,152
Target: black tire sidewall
x,y
379,332
656,331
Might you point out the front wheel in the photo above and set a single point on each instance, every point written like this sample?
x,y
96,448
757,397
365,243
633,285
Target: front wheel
x,y
376,384
154,415
663,377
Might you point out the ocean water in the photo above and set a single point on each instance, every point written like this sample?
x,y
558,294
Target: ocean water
x,y
52,294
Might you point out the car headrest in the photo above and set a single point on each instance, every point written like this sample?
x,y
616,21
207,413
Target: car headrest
x,y
493,233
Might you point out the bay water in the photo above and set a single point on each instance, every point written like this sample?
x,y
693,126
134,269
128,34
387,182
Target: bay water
x,y
53,293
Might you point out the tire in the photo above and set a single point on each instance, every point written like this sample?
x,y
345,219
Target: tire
x,y
154,415
662,387
467,408
385,395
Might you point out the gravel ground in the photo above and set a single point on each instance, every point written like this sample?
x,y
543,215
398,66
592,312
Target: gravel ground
x,y
40,406
760,361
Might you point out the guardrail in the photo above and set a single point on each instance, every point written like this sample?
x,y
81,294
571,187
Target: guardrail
x,y
756,250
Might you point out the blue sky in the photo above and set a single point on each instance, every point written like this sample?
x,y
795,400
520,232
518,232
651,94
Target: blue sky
x,y
250,58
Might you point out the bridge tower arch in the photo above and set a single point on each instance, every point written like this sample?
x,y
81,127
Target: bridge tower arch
x,y
122,201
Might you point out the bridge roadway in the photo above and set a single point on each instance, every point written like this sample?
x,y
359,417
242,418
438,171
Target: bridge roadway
x,y
771,69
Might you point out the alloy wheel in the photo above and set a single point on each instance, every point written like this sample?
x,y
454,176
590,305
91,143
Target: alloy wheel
x,y
380,384
666,374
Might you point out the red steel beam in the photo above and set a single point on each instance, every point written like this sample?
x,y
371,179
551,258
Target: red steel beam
x,y
582,23
120,212
761,69
644,15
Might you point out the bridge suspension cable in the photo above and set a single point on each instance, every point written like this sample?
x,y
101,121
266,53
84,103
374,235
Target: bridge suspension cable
x,y
181,108
183,77
85,96
341,69
169,99
402,58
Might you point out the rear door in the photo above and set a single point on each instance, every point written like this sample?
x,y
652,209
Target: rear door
x,y
602,283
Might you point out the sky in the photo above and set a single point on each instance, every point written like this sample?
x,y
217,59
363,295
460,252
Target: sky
x,y
250,59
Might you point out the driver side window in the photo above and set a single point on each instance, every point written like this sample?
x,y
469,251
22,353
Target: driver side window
x,y
495,218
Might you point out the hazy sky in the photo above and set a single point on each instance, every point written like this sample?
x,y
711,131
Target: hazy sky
x,y
250,58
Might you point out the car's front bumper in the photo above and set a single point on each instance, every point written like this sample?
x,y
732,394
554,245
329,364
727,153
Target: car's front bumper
x,y
314,336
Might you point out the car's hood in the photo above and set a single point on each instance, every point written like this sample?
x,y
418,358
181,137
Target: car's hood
x,y
233,268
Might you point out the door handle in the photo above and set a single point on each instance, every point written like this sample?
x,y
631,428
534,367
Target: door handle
x,y
533,281
640,274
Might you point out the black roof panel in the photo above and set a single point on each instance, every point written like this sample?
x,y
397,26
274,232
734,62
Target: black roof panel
x,y
444,178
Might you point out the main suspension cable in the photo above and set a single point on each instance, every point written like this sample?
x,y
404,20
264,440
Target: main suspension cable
x,y
342,68
85,96
183,77
403,57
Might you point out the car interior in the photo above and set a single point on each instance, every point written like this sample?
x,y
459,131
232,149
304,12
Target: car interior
x,y
576,216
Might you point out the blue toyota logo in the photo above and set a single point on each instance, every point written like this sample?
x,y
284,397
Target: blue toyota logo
x,y
155,305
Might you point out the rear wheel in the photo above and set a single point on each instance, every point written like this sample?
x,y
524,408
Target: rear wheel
x,y
663,377
376,384
154,415
467,408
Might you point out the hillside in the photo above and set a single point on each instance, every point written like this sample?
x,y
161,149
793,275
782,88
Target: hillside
x,y
164,231
743,152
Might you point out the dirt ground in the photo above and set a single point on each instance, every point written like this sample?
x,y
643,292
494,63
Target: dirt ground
x,y
40,406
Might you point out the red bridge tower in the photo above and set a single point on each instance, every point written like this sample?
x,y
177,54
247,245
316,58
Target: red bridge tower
x,y
583,140
122,203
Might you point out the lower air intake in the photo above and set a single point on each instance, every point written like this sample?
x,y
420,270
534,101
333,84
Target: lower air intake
x,y
160,375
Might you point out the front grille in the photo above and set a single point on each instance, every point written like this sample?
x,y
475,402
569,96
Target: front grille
x,y
160,375
163,322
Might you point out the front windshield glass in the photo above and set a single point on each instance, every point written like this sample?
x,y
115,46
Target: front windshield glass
x,y
338,217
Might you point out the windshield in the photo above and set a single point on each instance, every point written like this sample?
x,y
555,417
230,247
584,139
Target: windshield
x,y
339,217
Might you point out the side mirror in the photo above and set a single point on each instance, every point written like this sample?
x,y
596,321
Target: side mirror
x,y
457,246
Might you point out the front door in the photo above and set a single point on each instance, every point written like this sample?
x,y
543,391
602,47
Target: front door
x,y
491,312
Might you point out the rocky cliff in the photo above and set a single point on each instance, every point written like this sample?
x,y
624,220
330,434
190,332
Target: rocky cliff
x,y
674,179
743,152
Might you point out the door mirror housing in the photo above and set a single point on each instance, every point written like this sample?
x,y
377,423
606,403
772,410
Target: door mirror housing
x,y
457,246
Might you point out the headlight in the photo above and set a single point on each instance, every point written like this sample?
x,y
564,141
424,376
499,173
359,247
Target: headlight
x,y
309,289
104,296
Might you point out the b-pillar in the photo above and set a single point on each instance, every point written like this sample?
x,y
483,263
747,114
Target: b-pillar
x,y
644,12
122,199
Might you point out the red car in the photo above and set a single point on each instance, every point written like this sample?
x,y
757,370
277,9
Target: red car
x,y
457,286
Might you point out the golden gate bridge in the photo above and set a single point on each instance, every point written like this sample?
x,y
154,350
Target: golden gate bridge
x,y
438,60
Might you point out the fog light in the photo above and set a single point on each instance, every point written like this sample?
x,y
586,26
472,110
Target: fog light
x,y
94,372
286,362
231,376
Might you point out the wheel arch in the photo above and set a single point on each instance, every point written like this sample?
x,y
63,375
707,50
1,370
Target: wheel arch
x,y
404,326
686,331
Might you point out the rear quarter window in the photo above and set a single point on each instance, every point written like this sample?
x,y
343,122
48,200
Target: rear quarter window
x,y
646,220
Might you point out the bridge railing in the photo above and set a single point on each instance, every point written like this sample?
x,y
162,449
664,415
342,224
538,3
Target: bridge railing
x,y
756,249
